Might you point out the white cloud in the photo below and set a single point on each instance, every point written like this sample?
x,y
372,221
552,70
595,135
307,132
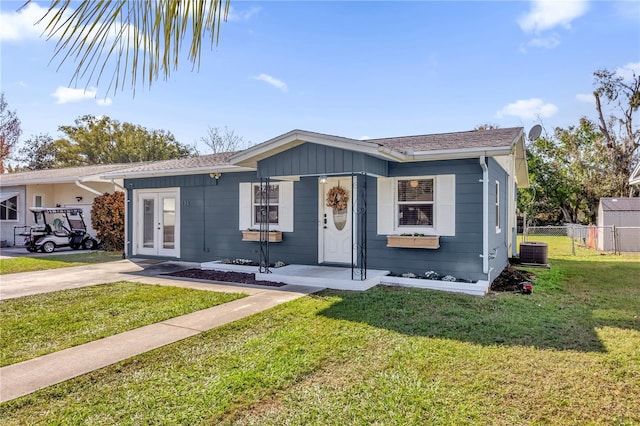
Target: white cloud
x,y
104,101
547,14
627,71
528,109
272,81
586,98
65,95
242,15
545,42
364,138
22,24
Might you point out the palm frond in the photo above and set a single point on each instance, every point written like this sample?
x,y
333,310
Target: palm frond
x,y
137,41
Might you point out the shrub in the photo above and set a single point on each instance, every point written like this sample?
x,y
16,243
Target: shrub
x,y
107,218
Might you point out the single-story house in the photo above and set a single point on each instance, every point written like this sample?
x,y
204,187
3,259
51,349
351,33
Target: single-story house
x,y
330,200
68,187
619,224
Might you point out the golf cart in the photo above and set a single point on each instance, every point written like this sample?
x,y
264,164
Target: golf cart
x,y
58,227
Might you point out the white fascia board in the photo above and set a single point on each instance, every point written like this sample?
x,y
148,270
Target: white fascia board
x,y
175,172
452,154
70,179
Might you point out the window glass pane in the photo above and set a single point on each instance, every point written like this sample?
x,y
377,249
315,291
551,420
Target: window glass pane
x,y
415,214
38,201
168,222
260,196
273,214
9,209
415,190
148,223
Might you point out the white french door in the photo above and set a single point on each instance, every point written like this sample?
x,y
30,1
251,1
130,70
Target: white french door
x,y
336,230
158,223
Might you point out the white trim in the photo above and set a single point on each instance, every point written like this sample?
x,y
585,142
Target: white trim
x,y
181,171
444,201
246,208
42,198
498,206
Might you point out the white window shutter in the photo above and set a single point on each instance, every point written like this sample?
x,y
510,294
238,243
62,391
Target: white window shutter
x,y
386,203
285,210
246,205
445,219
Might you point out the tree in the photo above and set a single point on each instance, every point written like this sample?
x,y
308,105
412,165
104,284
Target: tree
x,y
102,140
486,126
9,131
38,153
142,38
569,173
621,138
222,140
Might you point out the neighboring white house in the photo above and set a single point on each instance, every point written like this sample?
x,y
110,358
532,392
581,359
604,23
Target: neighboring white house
x,y
69,187
624,214
635,176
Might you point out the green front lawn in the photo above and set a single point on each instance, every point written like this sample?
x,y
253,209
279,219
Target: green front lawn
x,y
37,325
567,354
30,264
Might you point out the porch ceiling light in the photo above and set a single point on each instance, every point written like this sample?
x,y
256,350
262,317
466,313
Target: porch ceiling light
x,y
323,179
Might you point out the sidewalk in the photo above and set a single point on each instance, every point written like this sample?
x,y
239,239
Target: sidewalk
x,y
25,377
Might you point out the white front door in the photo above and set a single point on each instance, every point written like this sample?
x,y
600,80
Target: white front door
x,y
335,231
158,232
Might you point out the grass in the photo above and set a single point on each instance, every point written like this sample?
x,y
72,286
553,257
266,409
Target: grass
x,y
45,323
30,264
567,354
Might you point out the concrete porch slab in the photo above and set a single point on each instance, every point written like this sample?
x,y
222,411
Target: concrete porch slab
x,y
333,277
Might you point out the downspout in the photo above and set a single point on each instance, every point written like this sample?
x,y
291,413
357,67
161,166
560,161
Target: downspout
x,y
86,188
485,216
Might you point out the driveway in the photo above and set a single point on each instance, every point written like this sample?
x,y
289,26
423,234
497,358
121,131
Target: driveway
x,y
15,251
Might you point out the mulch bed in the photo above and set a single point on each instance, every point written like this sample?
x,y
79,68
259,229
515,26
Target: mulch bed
x,y
511,279
224,276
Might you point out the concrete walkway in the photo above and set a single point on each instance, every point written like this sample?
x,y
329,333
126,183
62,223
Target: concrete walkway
x,y
25,377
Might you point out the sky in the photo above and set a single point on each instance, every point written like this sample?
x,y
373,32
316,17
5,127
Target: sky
x,y
354,69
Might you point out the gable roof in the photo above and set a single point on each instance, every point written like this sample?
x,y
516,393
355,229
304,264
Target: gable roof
x,y
184,166
469,144
620,204
67,175
443,146
406,148
456,141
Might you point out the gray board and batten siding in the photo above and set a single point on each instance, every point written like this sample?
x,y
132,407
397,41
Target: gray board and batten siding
x,y
209,212
311,159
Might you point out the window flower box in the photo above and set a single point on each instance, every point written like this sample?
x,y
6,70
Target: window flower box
x,y
413,241
252,235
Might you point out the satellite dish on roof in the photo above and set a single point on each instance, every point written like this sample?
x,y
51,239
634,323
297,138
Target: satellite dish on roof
x,y
535,132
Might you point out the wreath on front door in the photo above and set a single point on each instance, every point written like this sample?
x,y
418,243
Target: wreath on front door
x,y
338,198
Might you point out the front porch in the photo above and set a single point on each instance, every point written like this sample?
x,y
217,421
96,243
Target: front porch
x,y
338,278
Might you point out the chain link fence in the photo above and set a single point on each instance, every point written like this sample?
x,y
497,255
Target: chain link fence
x,y
572,238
